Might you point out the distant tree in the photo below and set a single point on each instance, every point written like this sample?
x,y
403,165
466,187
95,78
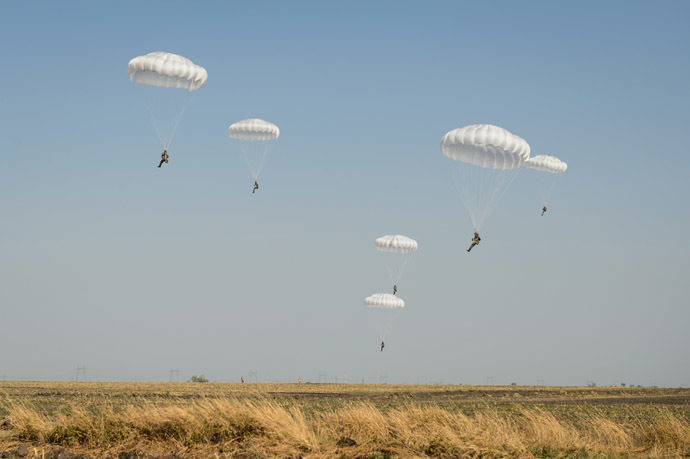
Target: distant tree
x,y
622,384
200,378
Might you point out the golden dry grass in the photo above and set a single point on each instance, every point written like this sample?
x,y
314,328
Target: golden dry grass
x,y
227,421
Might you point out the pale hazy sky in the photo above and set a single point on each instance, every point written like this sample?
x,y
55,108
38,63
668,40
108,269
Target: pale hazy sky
x,y
109,263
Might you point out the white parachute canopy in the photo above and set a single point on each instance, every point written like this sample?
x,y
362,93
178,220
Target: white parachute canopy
x,y
546,163
546,182
396,243
397,249
167,70
488,158
384,300
163,73
254,137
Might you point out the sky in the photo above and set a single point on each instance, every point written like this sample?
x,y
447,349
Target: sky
x,y
109,263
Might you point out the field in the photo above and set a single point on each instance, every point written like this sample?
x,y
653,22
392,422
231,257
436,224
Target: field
x,y
61,420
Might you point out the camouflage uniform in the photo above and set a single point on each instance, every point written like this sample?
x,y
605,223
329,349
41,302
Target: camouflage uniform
x,y
475,240
164,158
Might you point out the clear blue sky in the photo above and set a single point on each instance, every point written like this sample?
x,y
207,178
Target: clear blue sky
x,y
109,263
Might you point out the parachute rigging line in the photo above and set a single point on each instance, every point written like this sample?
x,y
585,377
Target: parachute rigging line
x,y
165,131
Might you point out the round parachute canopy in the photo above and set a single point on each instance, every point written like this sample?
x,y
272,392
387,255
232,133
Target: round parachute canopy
x,y
384,300
167,70
396,243
486,146
546,163
253,129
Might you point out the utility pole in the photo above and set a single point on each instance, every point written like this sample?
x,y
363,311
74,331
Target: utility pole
x,y
175,372
82,371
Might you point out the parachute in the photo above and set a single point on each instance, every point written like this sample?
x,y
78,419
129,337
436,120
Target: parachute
x,y
254,137
167,70
384,300
384,308
554,167
488,158
164,72
396,243
396,249
546,163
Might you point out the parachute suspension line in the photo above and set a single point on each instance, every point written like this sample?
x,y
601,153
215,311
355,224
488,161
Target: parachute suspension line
x,y
396,272
247,162
507,178
390,323
402,268
481,189
264,154
158,130
384,321
254,154
547,191
485,180
390,274
165,129
175,124
472,185
465,195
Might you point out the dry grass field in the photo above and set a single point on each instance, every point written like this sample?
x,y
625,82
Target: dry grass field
x,y
59,420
